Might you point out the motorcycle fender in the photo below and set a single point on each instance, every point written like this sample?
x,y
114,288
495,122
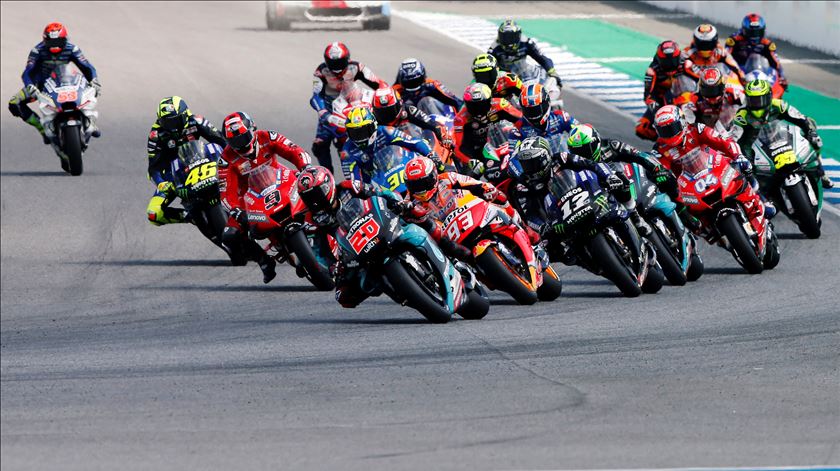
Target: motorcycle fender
x,y
291,228
71,122
792,179
481,247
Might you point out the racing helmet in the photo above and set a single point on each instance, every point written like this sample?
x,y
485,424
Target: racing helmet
x,y
509,36
669,123
55,37
386,106
705,39
668,56
478,99
316,187
337,57
759,97
585,141
485,69
361,126
752,27
240,133
535,104
711,85
534,156
412,74
421,178
173,114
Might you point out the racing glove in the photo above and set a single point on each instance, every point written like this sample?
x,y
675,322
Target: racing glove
x,y
167,188
553,73
652,107
98,86
815,140
240,216
438,162
30,90
444,137
323,117
615,183
783,82
476,166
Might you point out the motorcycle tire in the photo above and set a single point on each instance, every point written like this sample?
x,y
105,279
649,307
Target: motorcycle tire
x,y
319,276
729,225
654,280
695,268
671,267
614,270
551,287
477,305
803,212
71,141
415,295
504,277
771,252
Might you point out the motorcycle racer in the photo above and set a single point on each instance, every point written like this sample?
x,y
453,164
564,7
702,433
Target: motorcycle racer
x,y
390,110
412,85
667,64
248,149
54,50
706,51
505,85
761,109
510,48
712,98
541,119
749,40
480,110
330,77
366,137
174,125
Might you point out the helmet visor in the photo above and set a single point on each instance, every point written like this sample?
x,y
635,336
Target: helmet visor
x,y
754,33
173,122
759,102
55,44
386,114
711,91
478,107
510,38
705,44
422,186
536,113
667,131
587,151
413,83
317,198
242,143
487,77
337,65
360,135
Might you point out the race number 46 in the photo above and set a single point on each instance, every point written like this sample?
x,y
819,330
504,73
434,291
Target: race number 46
x,y
203,172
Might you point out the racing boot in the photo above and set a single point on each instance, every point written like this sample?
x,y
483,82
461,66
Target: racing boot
x,y
454,249
36,123
94,130
826,182
642,227
267,266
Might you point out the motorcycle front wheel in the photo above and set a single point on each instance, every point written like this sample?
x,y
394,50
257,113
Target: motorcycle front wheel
x,y
71,143
614,270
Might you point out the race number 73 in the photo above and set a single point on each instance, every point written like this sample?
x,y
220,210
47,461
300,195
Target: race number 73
x,y
363,235
203,172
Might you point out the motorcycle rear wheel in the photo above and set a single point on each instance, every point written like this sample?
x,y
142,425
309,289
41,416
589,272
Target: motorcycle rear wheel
x,y
803,212
72,148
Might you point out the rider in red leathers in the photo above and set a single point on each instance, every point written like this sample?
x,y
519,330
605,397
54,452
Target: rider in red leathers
x,y
666,66
706,51
249,149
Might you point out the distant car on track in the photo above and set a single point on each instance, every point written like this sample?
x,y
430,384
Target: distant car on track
x,y
279,15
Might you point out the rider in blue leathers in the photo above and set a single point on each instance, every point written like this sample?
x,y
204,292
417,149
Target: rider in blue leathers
x,y
542,121
510,48
366,137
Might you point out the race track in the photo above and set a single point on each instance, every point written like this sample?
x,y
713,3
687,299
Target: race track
x,y
126,346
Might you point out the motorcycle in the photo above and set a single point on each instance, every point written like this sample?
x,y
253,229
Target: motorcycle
x,y
276,213
731,213
389,168
786,169
758,67
67,106
501,249
676,247
195,175
405,263
351,96
593,230
497,165
530,72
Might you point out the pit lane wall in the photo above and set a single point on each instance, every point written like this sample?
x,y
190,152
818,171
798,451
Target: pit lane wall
x,y
812,24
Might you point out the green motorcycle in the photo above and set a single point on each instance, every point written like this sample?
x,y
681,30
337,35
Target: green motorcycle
x,y
785,166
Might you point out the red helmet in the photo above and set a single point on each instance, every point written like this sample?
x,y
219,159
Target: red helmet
x,y
240,133
316,187
668,56
711,84
55,37
421,178
386,106
336,56
669,123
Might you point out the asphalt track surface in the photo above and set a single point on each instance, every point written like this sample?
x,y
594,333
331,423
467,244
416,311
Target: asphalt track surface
x,y
126,346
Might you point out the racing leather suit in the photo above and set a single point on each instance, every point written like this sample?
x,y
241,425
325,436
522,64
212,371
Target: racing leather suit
x,y
430,88
357,163
39,65
412,114
508,57
694,62
707,112
162,148
657,93
508,86
470,132
696,135
556,129
740,48
326,86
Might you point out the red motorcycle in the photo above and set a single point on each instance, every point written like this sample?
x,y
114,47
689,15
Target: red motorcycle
x,y
501,249
276,213
731,212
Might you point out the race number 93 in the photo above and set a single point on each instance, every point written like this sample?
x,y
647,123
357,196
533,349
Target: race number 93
x,y
201,173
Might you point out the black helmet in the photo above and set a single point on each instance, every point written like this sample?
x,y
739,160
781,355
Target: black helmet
x,y
534,156
510,34
478,99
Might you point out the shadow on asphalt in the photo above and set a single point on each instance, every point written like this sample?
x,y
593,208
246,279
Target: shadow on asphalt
x,y
158,263
391,321
33,174
307,28
595,282
228,288
725,271
594,294
792,236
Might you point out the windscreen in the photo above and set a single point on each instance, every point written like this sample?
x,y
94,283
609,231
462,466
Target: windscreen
x,y
774,132
191,151
756,62
262,178
562,182
695,161
349,212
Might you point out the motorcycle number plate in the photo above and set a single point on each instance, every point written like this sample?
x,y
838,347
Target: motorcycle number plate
x,y
66,96
361,237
